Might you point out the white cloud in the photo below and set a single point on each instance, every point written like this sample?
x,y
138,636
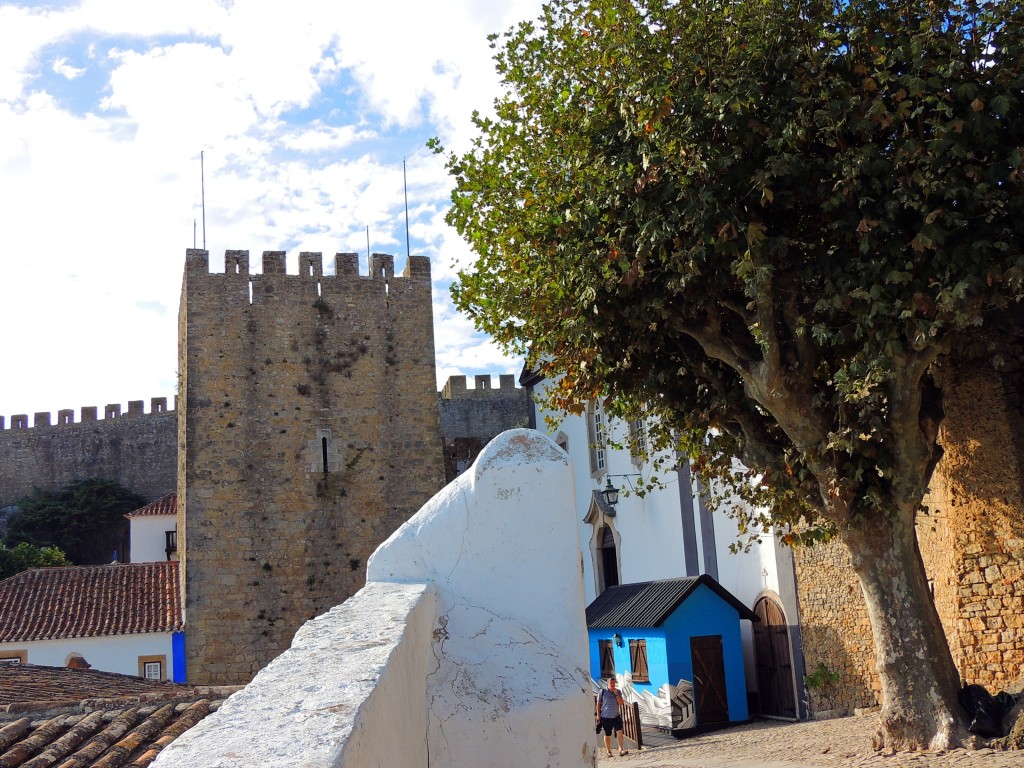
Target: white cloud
x,y
321,138
100,201
64,69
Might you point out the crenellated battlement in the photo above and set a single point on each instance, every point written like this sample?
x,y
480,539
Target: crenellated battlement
x,y
311,265
89,413
309,432
471,417
455,387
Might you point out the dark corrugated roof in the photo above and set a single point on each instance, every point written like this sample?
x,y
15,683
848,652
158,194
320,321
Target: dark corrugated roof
x,y
649,603
90,601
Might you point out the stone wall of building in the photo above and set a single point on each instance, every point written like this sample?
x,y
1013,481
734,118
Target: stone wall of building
x,y
137,449
835,630
971,537
471,418
308,433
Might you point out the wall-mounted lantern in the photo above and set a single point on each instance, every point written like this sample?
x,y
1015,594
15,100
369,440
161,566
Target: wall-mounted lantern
x,y
610,493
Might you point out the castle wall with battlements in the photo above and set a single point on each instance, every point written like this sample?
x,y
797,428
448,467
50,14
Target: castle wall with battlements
x,y
471,418
135,448
308,432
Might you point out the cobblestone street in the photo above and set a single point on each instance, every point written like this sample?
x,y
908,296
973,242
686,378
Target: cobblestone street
x,y
841,743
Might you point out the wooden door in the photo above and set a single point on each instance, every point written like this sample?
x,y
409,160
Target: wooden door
x,y
774,664
709,694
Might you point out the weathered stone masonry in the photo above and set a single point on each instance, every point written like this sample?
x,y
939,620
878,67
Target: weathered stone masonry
x,y
137,449
308,433
972,542
471,418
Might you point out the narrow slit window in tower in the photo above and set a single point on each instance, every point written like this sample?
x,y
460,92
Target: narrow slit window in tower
x,y
323,450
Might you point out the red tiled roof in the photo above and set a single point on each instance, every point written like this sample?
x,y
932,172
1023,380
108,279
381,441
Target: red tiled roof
x,y
123,722
165,505
90,601
31,684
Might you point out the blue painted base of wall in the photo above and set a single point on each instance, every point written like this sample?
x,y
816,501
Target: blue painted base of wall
x,y
178,657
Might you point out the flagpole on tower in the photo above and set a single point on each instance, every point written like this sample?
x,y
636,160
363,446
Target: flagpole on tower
x,y
202,186
405,188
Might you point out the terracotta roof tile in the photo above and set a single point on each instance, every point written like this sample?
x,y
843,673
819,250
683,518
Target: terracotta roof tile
x,y
128,730
90,601
31,683
165,505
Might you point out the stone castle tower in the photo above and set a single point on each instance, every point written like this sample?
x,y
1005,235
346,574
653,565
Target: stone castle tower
x,y
307,433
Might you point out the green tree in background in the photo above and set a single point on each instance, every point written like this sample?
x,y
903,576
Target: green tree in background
x,y
84,519
768,224
23,556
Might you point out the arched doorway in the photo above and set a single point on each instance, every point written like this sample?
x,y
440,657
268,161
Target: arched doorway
x,y
608,558
775,681
604,544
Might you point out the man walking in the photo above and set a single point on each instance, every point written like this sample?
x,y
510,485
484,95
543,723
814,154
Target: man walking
x,y
609,713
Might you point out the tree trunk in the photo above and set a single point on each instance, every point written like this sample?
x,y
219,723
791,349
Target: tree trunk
x,y
919,679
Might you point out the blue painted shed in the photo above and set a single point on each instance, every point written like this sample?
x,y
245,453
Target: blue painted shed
x,y
671,630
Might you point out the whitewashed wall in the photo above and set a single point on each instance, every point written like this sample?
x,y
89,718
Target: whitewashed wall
x,y
512,683
649,530
351,691
114,653
148,542
466,649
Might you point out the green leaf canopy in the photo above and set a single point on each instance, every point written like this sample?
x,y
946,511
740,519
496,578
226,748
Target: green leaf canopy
x,y
762,221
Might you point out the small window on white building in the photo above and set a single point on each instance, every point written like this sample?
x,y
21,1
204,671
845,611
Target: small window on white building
x,y
637,440
595,430
152,667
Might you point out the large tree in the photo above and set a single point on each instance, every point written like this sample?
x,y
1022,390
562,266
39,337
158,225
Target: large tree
x,y
767,223
23,556
84,519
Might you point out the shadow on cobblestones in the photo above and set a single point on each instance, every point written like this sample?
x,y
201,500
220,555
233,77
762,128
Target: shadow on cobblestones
x,y
841,743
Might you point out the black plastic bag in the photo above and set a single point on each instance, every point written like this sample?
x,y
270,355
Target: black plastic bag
x,y
984,711
1005,701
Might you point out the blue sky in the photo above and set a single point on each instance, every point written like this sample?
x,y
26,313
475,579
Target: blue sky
x,y
304,112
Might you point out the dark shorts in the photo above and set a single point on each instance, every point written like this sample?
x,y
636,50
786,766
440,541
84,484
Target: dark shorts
x,y
611,724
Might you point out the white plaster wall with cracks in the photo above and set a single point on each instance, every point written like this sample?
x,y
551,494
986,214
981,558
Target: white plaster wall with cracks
x,y
500,544
466,649
350,691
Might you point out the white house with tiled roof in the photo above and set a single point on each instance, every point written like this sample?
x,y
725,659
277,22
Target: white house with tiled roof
x,y
154,532
123,618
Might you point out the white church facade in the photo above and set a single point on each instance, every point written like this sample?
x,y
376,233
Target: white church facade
x,y
671,532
